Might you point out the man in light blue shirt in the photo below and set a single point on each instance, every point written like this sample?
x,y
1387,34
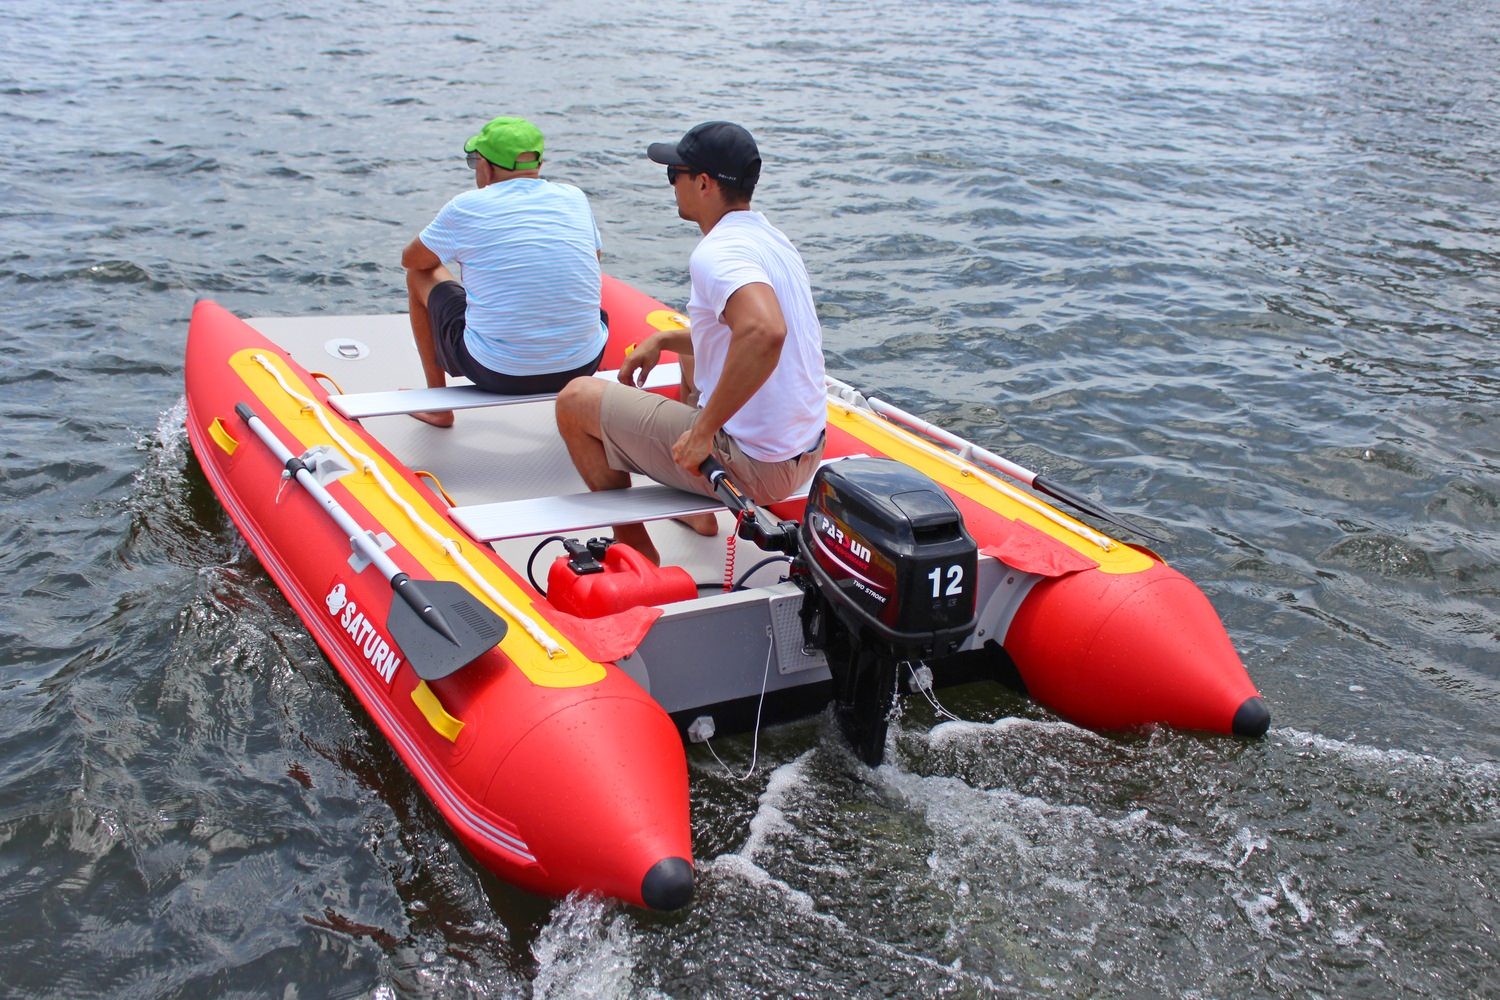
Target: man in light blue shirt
x,y
526,318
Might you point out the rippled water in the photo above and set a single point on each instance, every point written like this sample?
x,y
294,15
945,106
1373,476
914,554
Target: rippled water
x,y
1233,268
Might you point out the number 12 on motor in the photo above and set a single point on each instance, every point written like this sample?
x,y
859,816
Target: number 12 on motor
x,y
955,577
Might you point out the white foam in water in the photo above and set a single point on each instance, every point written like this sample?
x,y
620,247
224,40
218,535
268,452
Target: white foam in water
x,y
585,951
169,438
803,904
769,819
1006,849
171,426
948,732
1048,849
1257,910
1043,844
1344,937
1391,757
748,871
165,446
1248,843
954,804
1351,934
1304,912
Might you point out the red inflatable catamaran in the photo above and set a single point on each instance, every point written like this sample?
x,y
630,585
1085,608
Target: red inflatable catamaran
x,y
545,718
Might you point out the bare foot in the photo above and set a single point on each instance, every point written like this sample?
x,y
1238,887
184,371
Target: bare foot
x,y
437,418
703,524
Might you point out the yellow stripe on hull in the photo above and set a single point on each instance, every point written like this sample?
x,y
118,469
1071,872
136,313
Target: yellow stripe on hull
x,y
979,485
570,668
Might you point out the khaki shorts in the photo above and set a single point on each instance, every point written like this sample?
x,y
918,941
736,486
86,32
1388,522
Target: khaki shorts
x,y
639,429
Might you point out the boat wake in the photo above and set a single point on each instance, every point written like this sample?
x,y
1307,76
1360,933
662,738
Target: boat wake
x,y
1395,761
769,823
790,789
588,949
1030,854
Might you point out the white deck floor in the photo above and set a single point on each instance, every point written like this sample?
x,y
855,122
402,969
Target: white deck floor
x,y
492,454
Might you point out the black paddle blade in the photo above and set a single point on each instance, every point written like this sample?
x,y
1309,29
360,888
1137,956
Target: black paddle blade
x,y
432,654
1080,502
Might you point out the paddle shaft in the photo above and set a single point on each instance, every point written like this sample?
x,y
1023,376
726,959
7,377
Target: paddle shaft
x,y
974,453
361,540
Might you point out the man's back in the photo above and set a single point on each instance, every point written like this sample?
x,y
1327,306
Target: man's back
x,y
529,250
787,413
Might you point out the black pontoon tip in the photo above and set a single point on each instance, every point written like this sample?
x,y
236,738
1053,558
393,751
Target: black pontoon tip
x,y
668,885
1252,719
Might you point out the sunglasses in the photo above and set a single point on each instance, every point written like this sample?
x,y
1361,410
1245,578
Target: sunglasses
x,y
472,159
675,172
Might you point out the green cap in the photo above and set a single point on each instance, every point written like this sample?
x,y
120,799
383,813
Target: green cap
x,y
503,139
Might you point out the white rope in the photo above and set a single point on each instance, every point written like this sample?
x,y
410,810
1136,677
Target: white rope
x,y
970,469
447,545
755,741
926,691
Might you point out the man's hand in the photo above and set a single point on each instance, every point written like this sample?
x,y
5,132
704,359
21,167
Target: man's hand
x,y
639,362
692,448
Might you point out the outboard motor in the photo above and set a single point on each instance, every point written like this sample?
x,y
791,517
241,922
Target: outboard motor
x,y
891,577
889,572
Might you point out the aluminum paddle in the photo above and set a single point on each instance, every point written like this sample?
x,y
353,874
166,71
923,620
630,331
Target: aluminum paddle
x,y
440,626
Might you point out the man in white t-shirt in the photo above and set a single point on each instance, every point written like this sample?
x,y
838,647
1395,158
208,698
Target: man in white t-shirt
x,y
526,318
755,343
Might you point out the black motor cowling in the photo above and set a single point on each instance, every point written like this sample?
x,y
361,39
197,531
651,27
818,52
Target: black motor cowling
x,y
893,576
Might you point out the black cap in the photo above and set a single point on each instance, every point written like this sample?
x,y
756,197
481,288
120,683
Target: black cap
x,y
668,885
720,149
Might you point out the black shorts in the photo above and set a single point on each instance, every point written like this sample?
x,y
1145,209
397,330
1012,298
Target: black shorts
x,y
445,312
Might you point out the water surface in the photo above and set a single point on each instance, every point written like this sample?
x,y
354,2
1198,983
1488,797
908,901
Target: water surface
x,y
1235,269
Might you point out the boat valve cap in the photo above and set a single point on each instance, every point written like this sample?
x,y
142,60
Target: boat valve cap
x,y
1252,718
668,885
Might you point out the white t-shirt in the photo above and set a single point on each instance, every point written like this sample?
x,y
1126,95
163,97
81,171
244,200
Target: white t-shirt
x,y
530,255
787,414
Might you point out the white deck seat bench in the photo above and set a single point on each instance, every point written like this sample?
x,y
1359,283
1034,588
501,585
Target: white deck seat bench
x,y
493,522
356,406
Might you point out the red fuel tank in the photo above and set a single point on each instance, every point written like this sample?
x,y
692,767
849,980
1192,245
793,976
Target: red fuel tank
x,y
624,579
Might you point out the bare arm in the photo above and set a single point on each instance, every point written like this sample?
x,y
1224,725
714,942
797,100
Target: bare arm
x,y
757,331
639,362
416,257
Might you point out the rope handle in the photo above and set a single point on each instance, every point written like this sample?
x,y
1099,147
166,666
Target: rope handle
x,y
436,483
325,377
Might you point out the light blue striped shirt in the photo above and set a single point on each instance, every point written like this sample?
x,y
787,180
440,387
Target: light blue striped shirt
x,y
529,250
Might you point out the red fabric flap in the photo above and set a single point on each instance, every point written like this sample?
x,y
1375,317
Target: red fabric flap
x,y
1031,551
603,640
